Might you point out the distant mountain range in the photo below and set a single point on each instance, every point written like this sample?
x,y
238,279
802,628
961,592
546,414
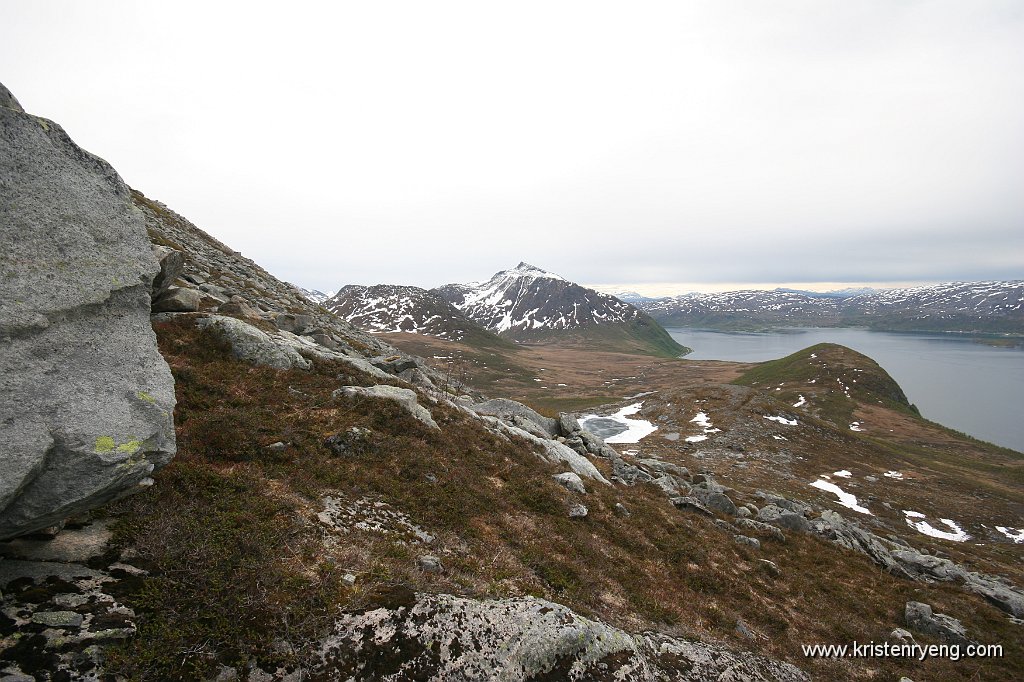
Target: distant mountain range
x,y
993,306
524,303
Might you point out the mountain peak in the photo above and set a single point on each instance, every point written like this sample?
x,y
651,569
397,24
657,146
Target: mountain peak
x,y
525,269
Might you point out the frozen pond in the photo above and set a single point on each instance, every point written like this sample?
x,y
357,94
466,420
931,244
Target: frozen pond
x,y
618,427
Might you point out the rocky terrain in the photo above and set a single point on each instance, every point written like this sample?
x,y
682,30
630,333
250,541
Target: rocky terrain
x,y
954,306
340,509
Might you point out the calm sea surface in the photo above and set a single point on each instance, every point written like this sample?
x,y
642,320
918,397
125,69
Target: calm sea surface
x,y
958,382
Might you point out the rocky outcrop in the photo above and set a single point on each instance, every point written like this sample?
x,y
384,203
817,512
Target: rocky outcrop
x,y
442,637
898,559
253,345
920,617
403,396
519,415
85,397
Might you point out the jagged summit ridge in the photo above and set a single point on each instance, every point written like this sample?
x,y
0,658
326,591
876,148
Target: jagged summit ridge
x,y
526,298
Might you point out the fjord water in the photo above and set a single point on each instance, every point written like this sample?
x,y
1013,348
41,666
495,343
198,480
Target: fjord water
x,y
954,380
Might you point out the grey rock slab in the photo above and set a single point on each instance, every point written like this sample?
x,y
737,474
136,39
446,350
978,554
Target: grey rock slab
x,y
785,518
715,500
572,481
296,324
58,619
85,396
443,637
596,446
403,396
920,617
832,526
567,424
69,546
37,571
507,409
253,345
578,511
553,451
760,527
177,300
172,263
429,563
750,542
688,503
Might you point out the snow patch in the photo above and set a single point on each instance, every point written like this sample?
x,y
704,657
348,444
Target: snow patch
x,y
801,402
896,475
842,473
781,420
1015,534
956,534
855,426
845,498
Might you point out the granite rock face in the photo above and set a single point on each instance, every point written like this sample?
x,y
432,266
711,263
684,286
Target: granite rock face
x,y
86,400
443,637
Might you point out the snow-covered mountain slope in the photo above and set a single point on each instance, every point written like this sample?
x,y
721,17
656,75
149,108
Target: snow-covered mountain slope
x,y
528,303
315,295
955,306
526,298
391,308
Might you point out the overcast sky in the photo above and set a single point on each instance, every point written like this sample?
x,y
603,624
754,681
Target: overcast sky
x,y
708,143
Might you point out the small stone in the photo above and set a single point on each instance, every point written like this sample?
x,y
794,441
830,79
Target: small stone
x,y
577,511
902,636
58,619
429,563
750,542
226,674
621,510
348,580
743,630
276,447
743,512
771,567
571,481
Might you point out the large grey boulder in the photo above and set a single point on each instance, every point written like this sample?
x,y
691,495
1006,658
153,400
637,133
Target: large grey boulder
x,y
443,637
172,264
177,300
511,411
783,517
920,617
551,450
253,345
403,396
86,400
